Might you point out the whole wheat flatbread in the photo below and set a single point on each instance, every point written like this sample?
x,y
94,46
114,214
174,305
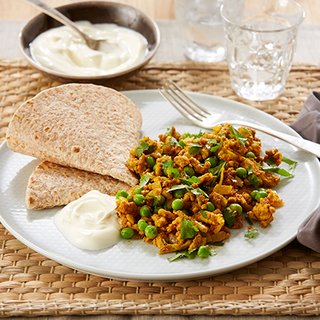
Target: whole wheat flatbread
x,y
53,185
84,126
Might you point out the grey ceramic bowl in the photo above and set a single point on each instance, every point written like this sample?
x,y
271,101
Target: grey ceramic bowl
x,y
95,12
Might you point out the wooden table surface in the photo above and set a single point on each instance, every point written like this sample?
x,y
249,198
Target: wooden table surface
x,y
14,13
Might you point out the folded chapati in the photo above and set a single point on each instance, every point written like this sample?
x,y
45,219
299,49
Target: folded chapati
x,y
83,126
53,185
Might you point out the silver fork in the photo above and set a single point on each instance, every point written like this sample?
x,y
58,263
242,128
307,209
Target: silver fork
x,y
205,119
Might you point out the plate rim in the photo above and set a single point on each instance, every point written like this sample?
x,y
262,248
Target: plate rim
x,y
158,277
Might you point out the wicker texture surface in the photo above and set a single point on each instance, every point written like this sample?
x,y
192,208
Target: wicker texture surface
x,y
288,282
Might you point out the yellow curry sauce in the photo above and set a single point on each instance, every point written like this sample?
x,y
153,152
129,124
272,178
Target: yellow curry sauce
x,y
194,188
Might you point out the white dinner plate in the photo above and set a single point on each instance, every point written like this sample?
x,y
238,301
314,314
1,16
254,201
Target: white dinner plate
x,y
135,259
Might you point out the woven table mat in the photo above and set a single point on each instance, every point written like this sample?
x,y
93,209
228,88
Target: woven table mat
x,y
287,282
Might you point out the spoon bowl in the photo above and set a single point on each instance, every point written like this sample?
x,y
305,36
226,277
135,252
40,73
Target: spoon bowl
x,y
57,15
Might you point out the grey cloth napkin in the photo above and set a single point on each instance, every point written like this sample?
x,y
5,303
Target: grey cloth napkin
x,y
308,126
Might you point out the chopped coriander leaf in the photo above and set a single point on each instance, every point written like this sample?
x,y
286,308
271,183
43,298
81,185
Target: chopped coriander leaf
x,y
188,229
251,233
173,142
216,170
280,171
144,180
173,172
184,254
178,187
194,150
198,191
292,164
193,144
191,180
192,135
167,165
143,146
215,148
237,135
254,180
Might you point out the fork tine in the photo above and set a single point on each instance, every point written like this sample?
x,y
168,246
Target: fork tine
x,y
180,105
186,99
180,108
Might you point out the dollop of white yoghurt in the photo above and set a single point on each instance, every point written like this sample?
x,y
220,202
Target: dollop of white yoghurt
x,y
90,222
61,49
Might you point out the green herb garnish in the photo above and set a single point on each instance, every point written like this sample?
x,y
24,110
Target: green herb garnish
x,y
251,233
237,135
184,254
188,229
141,148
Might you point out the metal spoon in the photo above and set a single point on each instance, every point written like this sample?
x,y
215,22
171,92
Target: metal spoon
x,y
55,14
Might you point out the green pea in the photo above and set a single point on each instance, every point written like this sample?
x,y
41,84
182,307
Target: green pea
x,y
204,252
138,199
236,207
253,194
145,211
151,231
177,204
261,194
126,233
241,172
158,200
229,217
173,172
189,171
150,161
138,190
204,213
178,194
213,161
122,193
210,206
251,155
142,224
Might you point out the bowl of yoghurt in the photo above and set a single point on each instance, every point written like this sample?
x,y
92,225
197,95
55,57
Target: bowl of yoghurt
x,y
130,40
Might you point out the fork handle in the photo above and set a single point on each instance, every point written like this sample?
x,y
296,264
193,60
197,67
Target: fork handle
x,y
301,143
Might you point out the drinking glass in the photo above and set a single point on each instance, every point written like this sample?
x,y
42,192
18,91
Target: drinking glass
x,y
201,24
260,41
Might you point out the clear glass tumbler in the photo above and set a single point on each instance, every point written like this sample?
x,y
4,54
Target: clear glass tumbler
x,y
260,42
201,24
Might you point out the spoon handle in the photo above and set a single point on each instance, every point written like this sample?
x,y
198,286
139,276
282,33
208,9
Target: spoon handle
x,y
55,14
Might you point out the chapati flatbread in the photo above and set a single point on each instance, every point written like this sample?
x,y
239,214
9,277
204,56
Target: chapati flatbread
x,y
52,185
83,126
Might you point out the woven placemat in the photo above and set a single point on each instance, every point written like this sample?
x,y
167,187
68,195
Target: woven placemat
x,y
288,282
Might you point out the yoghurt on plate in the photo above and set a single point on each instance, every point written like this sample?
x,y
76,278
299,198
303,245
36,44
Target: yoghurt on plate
x,y
90,222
